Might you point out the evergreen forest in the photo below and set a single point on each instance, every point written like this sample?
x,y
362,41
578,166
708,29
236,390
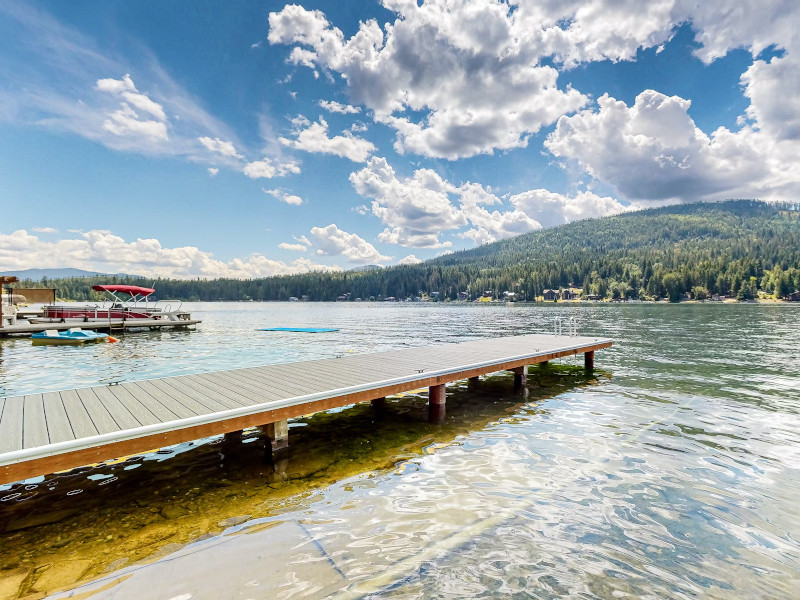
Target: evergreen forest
x,y
737,248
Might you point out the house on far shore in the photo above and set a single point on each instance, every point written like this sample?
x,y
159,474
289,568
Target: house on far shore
x,y
570,294
550,295
793,297
594,297
463,296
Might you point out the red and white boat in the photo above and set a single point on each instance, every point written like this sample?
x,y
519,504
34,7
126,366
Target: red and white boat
x,y
136,306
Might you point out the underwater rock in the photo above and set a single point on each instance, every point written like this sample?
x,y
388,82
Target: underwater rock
x,y
10,582
173,511
34,520
117,564
233,521
61,573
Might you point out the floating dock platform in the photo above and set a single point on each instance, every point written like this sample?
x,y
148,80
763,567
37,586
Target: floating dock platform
x,y
114,325
44,433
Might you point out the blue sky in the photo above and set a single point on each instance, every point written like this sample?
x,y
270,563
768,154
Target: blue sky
x,y
203,139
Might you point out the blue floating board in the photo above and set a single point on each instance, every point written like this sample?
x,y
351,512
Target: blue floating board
x,y
299,329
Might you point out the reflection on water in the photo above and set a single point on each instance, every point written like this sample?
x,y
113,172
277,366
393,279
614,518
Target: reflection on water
x,y
674,474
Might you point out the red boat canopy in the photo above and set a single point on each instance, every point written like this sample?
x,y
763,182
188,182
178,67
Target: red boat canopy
x,y
132,290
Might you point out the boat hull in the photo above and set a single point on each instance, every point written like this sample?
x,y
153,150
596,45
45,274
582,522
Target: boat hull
x,y
71,337
65,342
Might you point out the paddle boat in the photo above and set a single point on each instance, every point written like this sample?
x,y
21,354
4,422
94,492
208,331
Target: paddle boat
x,y
74,336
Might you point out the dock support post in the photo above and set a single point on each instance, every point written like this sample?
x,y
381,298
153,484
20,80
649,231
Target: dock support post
x,y
588,360
233,436
473,381
436,404
519,376
379,407
277,442
231,443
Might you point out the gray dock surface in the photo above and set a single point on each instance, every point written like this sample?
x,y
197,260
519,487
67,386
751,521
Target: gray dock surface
x,y
44,433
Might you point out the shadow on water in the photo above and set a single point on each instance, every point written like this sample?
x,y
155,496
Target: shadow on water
x,y
74,526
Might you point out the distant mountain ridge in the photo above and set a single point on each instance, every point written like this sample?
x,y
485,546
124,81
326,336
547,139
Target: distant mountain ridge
x,y
66,273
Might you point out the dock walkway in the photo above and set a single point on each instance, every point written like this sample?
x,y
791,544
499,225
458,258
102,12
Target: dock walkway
x,y
49,432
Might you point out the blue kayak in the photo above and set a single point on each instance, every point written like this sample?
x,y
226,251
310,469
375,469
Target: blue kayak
x,y
71,337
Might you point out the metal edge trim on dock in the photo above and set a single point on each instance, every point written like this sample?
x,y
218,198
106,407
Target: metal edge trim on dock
x,y
58,448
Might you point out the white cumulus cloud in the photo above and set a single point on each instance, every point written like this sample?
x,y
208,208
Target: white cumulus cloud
x,y
313,137
415,209
293,247
471,68
332,241
336,107
409,260
126,120
102,251
653,151
268,168
223,147
284,196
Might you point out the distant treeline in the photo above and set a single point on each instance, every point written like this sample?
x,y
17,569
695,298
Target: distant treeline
x,y
733,248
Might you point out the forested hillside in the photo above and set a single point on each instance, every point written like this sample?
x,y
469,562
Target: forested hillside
x,y
733,248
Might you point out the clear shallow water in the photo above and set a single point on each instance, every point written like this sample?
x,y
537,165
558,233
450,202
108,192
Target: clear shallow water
x,y
674,474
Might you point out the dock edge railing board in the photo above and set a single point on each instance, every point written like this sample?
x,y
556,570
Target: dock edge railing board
x,y
51,457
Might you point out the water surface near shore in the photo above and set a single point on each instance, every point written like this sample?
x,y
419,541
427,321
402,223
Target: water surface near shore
x,y
674,472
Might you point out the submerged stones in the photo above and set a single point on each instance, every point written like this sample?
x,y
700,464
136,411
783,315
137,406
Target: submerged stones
x,y
233,521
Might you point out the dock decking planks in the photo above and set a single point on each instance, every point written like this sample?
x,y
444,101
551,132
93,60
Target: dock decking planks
x,y
34,423
42,433
80,421
58,426
11,426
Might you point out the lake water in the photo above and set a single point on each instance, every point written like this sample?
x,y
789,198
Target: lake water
x,y
673,472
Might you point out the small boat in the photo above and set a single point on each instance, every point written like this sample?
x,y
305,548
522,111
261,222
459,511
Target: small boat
x,y
137,306
74,336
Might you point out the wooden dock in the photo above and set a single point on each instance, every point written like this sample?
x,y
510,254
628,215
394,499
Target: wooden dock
x,y
53,431
23,329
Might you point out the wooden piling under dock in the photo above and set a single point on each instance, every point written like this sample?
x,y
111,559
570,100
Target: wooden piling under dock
x,y
53,431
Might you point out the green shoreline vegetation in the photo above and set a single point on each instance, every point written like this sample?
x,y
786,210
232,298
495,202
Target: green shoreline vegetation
x,y
738,249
